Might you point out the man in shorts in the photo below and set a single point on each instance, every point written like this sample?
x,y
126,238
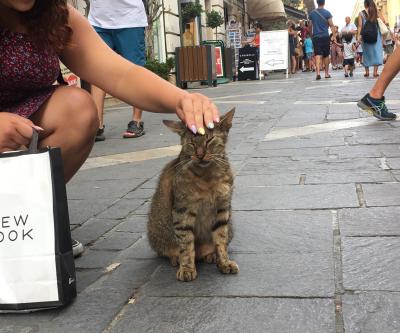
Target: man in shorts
x,y
321,21
121,24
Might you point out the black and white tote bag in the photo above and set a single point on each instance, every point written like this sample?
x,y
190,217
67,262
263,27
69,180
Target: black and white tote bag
x,y
36,262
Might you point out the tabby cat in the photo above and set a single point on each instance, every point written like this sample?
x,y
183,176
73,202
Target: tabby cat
x,y
190,214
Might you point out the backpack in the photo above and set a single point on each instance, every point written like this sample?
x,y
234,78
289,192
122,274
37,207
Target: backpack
x,y
369,31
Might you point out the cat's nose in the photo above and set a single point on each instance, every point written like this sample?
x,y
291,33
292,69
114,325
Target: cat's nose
x,y
200,153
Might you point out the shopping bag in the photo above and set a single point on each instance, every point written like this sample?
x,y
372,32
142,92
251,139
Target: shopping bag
x,y
36,262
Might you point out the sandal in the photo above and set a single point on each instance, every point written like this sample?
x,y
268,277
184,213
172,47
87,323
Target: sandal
x,y
366,75
135,129
328,77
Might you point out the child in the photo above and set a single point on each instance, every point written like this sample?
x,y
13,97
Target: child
x,y
350,49
309,49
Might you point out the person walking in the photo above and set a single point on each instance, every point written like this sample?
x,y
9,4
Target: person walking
x,y
374,101
370,37
293,36
121,24
321,21
349,52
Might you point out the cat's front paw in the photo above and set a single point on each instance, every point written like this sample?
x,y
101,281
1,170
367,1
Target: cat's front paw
x,y
229,267
186,274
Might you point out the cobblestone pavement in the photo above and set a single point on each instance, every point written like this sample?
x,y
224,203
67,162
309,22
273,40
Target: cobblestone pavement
x,y
316,212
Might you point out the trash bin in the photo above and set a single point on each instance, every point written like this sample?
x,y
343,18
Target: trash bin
x,y
195,63
248,68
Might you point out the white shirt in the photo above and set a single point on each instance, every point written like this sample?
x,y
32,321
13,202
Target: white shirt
x,y
117,14
348,51
349,28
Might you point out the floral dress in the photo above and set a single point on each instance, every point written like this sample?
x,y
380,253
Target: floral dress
x,y
27,74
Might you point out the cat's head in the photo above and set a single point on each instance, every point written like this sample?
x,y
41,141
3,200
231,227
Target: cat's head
x,y
203,150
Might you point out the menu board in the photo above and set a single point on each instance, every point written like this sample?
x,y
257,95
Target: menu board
x,y
274,50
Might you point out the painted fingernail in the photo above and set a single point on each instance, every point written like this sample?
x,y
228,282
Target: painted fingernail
x,y
38,128
210,125
216,120
193,129
202,131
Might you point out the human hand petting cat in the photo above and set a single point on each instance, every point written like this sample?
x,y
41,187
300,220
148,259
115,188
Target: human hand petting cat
x,y
197,111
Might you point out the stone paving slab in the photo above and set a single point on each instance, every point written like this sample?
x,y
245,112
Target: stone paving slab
x,y
345,177
261,275
102,189
379,221
371,263
382,194
372,312
296,197
116,241
81,211
276,165
93,230
175,315
282,231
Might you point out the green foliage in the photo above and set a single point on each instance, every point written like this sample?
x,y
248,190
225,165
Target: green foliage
x,y
191,10
214,19
162,69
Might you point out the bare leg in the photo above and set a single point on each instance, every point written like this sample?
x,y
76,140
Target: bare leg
x,y
376,71
293,64
70,121
137,114
326,62
318,64
366,72
391,69
98,97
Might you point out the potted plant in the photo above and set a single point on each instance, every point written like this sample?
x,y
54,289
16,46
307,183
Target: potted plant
x,y
190,11
162,69
214,20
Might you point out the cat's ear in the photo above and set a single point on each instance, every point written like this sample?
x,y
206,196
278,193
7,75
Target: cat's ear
x,y
226,121
175,126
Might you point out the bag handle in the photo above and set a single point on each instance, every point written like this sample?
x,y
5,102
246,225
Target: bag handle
x,y
33,146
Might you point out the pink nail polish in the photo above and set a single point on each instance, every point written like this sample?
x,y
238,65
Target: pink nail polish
x,y
193,129
38,128
216,120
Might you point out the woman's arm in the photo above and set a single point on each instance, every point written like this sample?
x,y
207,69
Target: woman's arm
x,y
360,25
91,59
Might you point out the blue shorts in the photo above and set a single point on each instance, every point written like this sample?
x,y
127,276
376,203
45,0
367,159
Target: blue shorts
x,y
127,42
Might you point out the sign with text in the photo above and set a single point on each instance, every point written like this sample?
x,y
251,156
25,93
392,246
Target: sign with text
x,y
274,50
248,63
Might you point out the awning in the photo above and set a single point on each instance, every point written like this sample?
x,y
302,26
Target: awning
x,y
265,9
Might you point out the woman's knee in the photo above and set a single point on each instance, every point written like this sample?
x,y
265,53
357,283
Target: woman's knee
x,y
82,110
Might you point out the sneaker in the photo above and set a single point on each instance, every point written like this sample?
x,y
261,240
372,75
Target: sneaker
x,y
376,107
134,130
351,74
100,135
77,248
346,75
